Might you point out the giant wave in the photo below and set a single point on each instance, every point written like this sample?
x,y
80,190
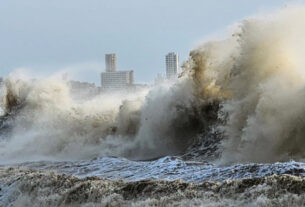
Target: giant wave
x,y
243,96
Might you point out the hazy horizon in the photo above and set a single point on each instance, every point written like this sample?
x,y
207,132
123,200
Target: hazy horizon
x,y
44,37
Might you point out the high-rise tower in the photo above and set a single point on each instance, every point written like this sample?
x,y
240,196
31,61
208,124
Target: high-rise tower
x,y
172,62
110,60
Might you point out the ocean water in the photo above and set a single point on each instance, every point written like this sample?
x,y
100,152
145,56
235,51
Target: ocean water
x,y
166,168
228,132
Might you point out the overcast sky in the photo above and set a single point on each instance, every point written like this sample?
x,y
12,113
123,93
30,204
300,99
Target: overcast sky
x,y
46,36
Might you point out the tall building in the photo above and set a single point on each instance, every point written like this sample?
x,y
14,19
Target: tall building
x,y
172,62
117,79
112,79
110,60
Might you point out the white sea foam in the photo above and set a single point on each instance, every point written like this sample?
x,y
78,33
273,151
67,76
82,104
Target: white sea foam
x,y
250,84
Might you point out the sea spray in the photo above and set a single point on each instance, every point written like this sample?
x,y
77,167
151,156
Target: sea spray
x,y
46,123
249,88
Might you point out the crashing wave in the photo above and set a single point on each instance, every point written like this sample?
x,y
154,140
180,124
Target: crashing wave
x,y
46,123
248,89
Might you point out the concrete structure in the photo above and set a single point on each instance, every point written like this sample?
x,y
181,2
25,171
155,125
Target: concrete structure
x,y
172,64
113,79
110,61
117,80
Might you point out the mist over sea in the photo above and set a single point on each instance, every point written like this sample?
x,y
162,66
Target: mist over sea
x,y
229,131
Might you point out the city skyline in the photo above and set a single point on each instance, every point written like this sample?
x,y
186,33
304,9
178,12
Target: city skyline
x,y
73,36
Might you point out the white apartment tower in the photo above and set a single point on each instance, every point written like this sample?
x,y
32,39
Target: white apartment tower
x,y
110,60
172,63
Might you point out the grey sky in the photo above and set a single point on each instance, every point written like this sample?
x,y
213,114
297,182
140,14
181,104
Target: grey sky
x,y
46,36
